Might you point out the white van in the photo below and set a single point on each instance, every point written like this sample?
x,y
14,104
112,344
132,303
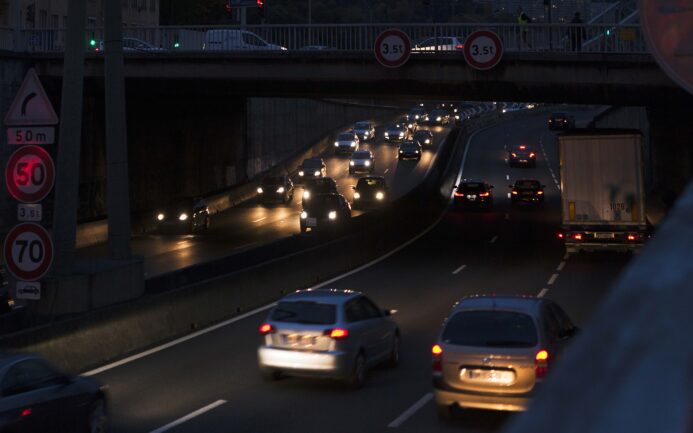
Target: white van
x,y
236,40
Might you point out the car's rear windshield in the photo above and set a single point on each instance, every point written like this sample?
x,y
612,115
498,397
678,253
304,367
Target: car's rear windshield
x,y
369,183
273,180
559,115
312,163
309,313
472,186
361,154
490,329
346,137
363,125
527,184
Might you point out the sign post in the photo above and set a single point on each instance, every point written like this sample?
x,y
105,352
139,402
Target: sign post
x,y
483,50
392,48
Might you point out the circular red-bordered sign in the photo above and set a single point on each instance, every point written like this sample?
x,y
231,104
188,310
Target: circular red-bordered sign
x,y
30,174
483,49
28,251
392,48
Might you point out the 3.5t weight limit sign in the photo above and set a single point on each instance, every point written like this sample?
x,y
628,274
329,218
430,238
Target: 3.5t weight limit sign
x,y
483,50
28,251
30,174
392,48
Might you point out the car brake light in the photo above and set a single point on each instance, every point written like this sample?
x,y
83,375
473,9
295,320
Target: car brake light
x,y
541,363
437,352
632,237
26,412
531,154
484,194
577,236
514,155
339,334
523,147
540,192
266,328
514,192
459,46
560,236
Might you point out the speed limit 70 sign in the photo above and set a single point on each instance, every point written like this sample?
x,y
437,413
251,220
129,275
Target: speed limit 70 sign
x,y
28,251
30,174
392,48
483,49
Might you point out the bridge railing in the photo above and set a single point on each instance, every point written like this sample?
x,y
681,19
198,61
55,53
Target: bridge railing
x,y
564,38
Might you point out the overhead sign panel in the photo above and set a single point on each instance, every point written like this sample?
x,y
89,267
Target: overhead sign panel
x,y
31,105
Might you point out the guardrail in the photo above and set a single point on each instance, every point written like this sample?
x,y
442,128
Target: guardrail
x,y
560,38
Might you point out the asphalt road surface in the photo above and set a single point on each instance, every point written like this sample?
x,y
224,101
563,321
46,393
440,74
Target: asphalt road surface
x,y
253,224
211,384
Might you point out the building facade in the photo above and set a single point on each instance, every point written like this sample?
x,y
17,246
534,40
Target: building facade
x,y
52,14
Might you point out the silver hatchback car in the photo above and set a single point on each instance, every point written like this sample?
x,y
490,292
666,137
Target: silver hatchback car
x,y
494,351
327,333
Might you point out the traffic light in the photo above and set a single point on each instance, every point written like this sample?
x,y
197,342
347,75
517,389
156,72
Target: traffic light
x,y
261,8
228,7
92,43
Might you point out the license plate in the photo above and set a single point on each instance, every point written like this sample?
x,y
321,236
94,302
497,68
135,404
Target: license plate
x,y
472,197
300,340
501,377
311,222
604,235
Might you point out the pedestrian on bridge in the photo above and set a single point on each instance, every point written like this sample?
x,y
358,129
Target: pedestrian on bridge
x,y
524,20
577,33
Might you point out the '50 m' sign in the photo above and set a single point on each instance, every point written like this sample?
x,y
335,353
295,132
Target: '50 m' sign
x,y
30,174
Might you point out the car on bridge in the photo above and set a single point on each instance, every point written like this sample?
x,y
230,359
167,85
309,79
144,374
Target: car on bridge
x,y
494,352
362,161
418,114
527,191
312,167
409,149
364,130
561,122
313,187
424,137
370,191
441,43
326,211
236,40
38,398
473,194
183,215
276,188
396,132
522,155
439,117
327,333
131,45
347,142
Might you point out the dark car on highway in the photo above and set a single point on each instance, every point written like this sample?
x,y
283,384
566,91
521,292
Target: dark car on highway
x,y
418,114
409,149
370,191
313,187
325,211
522,155
494,352
527,191
473,193
276,189
362,161
312,167
35,397
186,215
424,137
439,117
396,132
561,122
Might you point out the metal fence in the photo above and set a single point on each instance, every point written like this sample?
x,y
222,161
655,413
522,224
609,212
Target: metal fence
x,y
561,38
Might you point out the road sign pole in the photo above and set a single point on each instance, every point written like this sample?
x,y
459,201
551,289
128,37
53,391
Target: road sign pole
x,y
118,189
69,136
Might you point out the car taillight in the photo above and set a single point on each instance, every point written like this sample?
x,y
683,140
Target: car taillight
x,y
26,412
541,362
523,147
540,192
560,236
531,154
514,192
459,194
437,352
577,236
484,194
514,155
459,46
632,237
266,328
339,334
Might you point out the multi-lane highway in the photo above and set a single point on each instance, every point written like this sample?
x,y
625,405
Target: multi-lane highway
x,y
253,224
210,383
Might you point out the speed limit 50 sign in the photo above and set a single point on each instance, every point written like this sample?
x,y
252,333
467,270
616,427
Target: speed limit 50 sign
x,y
28,251
483,49
30,174
392,48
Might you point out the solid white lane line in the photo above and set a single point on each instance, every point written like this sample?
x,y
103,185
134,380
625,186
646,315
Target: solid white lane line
x,y
543,292
386,170
189,416
507,177
509,195
411,411
494,239
566,256
176,342
260,219
560,266
458,270
552,279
